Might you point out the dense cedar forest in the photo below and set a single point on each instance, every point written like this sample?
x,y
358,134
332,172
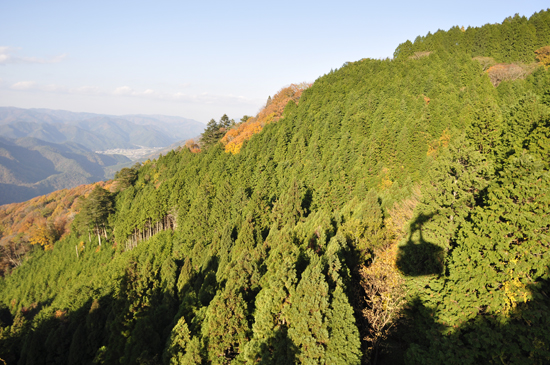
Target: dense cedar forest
x,y
394,211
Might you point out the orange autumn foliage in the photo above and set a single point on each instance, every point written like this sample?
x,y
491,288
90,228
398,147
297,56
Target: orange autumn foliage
x,y
272,112
42,234
235,137
192,146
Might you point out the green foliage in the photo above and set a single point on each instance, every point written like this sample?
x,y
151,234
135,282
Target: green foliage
x,y
256,257
514,40
307,314
344,345
226,326
94,213
126,177
508,235
215,131
495,277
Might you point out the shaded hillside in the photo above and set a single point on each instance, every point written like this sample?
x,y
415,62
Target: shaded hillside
x,y
31,167
173,126
398,213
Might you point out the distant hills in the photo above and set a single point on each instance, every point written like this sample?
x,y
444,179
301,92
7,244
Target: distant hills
x,y
30,167
96,131
43,150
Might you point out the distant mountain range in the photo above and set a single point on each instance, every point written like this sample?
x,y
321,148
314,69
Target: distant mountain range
x,y
97,131
43,150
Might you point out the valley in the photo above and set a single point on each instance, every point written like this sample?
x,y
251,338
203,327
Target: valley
x,y
133,154
66,145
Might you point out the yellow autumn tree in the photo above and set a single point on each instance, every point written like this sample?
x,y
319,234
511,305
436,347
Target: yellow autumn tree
x,y
543,55
384,296
42,234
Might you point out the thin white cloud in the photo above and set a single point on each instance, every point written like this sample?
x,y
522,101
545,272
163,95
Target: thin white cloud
x,y
123,90
4,57
31,85
57,59
8,56
128,92
24,85
206,98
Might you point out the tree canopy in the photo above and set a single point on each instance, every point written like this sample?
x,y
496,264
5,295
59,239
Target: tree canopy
x,y
395,211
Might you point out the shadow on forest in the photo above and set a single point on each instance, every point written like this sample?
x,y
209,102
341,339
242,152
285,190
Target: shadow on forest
x,y
96,333
423,335
281,348
521,336
419,257
126,328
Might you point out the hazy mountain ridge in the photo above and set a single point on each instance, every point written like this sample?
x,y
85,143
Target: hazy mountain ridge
x,y
43,150
96,131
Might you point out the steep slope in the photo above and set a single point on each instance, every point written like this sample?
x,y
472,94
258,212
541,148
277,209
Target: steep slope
x,y
397,213
20,129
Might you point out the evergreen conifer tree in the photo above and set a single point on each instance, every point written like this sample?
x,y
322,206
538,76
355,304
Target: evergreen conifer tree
x,y
343,346
307,314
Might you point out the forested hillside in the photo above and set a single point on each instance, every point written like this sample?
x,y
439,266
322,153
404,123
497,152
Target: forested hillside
x,y
396,212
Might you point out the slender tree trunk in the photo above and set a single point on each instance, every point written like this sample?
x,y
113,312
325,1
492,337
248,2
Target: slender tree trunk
x,y
98,235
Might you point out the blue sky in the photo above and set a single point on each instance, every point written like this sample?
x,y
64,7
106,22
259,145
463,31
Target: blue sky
x,y
202,59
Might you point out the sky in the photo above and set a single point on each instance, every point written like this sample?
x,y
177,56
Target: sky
x,y
203,59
